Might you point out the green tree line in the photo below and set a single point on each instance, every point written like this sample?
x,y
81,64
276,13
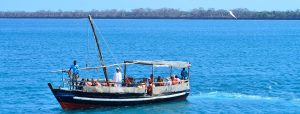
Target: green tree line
x,y
163,13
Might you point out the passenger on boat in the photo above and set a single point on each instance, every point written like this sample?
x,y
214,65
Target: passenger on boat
x,y
95,82
169,81
88,83
81,84
118,77
151,79
184,74
129,82
174,81
149,88
143,84
177,79
74,69
160,81
75,73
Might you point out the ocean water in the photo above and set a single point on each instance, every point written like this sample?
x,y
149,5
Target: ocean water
x,y
238,66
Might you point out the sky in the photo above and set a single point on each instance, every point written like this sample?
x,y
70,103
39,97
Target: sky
x,y
87,5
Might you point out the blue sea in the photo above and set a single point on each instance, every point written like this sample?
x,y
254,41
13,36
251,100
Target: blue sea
x,y
238,66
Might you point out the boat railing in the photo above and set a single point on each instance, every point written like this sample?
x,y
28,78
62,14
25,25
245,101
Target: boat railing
x,y
138,82
166,83
169,87
78,84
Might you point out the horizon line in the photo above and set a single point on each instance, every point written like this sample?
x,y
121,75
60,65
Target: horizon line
x,y
58,10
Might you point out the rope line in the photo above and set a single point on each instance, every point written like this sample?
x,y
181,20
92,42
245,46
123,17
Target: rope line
x,y
88,45
107,46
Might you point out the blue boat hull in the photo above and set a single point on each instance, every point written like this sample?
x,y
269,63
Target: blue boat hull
x,y
78,99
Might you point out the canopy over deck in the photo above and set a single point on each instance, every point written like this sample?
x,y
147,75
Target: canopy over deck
x,y
161,63
155,63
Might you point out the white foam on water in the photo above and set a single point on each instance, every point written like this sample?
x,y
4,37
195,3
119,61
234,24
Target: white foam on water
x,y
233,96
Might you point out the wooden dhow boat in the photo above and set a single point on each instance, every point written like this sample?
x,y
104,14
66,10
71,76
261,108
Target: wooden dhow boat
x,y
132,90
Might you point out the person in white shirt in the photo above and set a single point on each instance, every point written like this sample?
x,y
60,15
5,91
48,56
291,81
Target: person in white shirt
x,y
169,81
118,78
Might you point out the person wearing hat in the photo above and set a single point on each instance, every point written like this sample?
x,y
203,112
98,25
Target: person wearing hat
x,y
118,77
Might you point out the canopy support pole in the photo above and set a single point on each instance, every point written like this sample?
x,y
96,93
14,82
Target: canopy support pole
x,y
153,70
171,71
62,79
189,73
152,80
124,71
99,50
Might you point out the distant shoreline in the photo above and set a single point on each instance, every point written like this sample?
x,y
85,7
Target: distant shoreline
x,y
163,13
146,18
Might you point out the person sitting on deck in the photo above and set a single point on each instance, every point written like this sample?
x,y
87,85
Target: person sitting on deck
x,y
143,84
75,73
177,79
174,81
95,82
169,81
129,82
88,83
81,84
160,81
184,74
118,77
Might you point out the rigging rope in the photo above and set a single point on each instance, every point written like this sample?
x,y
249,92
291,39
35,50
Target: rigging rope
x,y
107,46
88,45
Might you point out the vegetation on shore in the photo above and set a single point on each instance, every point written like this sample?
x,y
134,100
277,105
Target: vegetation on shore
x,y
163,13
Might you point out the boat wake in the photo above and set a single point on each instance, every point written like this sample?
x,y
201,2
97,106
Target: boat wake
x,y
229,96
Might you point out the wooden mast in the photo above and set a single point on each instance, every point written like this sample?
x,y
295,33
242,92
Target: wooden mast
x,y
99,50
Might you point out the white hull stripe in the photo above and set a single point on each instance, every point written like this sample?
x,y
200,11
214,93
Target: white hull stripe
x,y
130,99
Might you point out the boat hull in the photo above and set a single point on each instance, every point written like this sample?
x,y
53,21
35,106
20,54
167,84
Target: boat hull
x,y
79,100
